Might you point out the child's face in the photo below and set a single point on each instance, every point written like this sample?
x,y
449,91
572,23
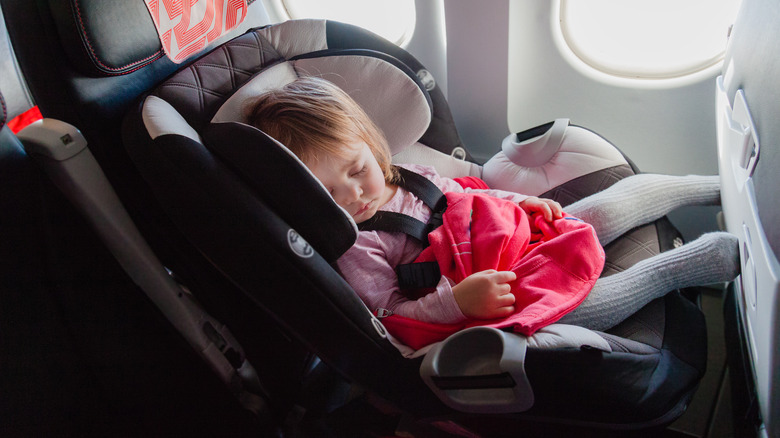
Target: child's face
x,y
355,180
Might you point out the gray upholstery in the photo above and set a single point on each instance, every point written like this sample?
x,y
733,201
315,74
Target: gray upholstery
x,y
647,325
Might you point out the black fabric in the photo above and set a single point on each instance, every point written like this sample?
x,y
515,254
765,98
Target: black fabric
x,y
686,332
441,134
424,189
420,275
198,90
393,222
107,41
753,58
264,165
615,387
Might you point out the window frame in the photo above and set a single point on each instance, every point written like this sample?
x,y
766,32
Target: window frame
x,y
611,68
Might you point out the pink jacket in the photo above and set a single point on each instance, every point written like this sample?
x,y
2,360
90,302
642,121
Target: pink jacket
x,y
556,263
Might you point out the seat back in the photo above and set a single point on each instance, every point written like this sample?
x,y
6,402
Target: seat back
x,y
748,136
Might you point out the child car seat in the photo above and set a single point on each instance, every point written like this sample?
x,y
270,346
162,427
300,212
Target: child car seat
x,y
234,237
178,158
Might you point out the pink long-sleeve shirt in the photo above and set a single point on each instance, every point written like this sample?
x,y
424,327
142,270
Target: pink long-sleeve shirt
x,y
369,265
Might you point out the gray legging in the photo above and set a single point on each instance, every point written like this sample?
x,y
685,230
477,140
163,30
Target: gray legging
x,y
636,200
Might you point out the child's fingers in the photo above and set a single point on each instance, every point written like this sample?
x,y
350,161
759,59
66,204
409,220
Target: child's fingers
x,y
504,311
551,210
504,276
505,304
505,300
555,207
547,212
542,208
548,208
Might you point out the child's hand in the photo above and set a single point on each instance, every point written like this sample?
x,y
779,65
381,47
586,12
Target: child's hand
x,y
486,294
549,208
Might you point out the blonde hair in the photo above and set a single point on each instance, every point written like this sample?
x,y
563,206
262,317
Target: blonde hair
x,y
312,116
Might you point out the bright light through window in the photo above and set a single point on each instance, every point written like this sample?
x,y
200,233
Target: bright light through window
x,y
392,19
648,38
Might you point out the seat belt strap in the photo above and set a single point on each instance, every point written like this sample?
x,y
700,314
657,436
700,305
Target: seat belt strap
x,y
397,223
428,193
423,188
418,275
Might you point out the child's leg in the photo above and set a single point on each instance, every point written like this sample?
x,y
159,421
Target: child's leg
x,y
640,199
712,258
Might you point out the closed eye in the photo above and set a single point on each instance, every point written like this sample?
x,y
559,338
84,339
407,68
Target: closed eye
x,y
361,171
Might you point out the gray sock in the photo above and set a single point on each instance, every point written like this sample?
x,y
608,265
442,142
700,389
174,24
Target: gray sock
x,y
712,258
640,199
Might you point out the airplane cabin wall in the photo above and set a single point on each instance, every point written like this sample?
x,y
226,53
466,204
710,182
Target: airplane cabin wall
x,y
508,69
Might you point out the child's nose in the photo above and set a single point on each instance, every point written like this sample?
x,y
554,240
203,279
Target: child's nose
x,y
355,192
350,194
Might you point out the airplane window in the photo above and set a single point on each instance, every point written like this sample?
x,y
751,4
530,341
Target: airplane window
x,y
648,39
391,19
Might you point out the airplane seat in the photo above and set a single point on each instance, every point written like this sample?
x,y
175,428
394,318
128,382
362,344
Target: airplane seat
x,y
262,265
748,106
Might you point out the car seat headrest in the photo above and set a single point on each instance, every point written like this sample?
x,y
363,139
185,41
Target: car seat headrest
x,y
387,89
106,38
377,82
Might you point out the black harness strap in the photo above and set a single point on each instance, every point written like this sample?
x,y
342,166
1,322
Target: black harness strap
x,y
397,223
423,188
413,275
428,193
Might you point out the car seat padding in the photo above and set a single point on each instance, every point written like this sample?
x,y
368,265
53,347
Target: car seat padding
x,y
305,205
